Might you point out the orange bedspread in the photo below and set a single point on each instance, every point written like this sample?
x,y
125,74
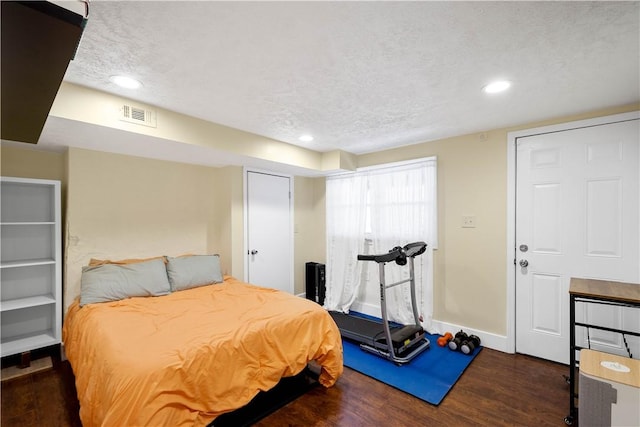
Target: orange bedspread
x,y
185,358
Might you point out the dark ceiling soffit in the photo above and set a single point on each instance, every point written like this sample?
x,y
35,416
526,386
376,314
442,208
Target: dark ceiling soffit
x,y
38,39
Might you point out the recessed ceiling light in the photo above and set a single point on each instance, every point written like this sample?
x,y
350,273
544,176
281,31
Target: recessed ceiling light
x,y
306,138
496,87
126,82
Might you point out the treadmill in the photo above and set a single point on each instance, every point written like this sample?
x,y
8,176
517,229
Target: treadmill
x,y
406,342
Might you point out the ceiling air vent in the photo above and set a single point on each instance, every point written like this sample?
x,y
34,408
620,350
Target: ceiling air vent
x,y
137,115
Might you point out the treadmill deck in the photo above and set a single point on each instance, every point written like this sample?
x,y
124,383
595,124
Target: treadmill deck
x,y
359,328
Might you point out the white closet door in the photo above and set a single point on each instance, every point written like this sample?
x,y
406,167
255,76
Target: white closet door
x,y
269,238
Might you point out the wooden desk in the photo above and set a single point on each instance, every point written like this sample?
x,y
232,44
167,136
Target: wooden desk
x,y
605,290
599,292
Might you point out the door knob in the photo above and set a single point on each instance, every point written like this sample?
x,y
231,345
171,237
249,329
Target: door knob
x,y
253,251
524,263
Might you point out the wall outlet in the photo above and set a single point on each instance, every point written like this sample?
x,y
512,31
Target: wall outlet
x,y
468,221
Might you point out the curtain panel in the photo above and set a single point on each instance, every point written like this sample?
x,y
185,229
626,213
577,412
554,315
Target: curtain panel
x,y
372,211
346,229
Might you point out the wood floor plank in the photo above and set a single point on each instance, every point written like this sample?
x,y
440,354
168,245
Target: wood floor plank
x,y
17,398
497,389
58,412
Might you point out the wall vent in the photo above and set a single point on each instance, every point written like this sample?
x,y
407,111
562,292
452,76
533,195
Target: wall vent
x,y
137,115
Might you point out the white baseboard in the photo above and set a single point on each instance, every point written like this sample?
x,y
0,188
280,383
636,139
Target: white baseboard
x,y
488,339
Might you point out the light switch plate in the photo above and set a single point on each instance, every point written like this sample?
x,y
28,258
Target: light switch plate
x,y
468,221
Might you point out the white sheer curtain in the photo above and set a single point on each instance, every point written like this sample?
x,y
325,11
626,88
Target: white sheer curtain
x,y
400,202
403,210
346,222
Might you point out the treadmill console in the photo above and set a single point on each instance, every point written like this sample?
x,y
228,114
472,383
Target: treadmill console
x,y
414,249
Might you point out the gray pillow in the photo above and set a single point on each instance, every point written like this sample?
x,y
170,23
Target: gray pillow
x,y
113,282
192,271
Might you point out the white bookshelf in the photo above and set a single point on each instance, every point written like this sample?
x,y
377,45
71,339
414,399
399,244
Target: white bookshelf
x,y
30,264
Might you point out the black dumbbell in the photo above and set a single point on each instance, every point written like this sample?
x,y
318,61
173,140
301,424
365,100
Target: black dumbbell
x,y
457,341
470,344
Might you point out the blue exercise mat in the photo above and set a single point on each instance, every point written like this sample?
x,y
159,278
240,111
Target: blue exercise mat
x,y
429,376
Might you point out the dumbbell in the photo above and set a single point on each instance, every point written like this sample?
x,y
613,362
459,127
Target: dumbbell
x,y
443,340
470,344
457,341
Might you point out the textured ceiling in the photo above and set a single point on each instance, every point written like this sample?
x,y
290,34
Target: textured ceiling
x,y
365,76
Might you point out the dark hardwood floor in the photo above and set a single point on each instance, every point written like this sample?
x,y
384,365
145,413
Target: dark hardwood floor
x,y
498,389
46,398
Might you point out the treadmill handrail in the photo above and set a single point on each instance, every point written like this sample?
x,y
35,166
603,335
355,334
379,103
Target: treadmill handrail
x,y
410,250
391,256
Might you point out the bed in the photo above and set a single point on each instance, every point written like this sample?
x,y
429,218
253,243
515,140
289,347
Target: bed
x,y
188,356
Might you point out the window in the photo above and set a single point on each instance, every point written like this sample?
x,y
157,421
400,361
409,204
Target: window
x,y
371,211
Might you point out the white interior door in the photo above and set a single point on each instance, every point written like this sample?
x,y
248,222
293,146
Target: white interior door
x,y
577,215
269,238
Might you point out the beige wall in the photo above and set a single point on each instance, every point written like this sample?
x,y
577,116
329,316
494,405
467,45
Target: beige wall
x,y
126,207
469,279
470,283
154,207
28,162
123,206
309,226
230,202
89,106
